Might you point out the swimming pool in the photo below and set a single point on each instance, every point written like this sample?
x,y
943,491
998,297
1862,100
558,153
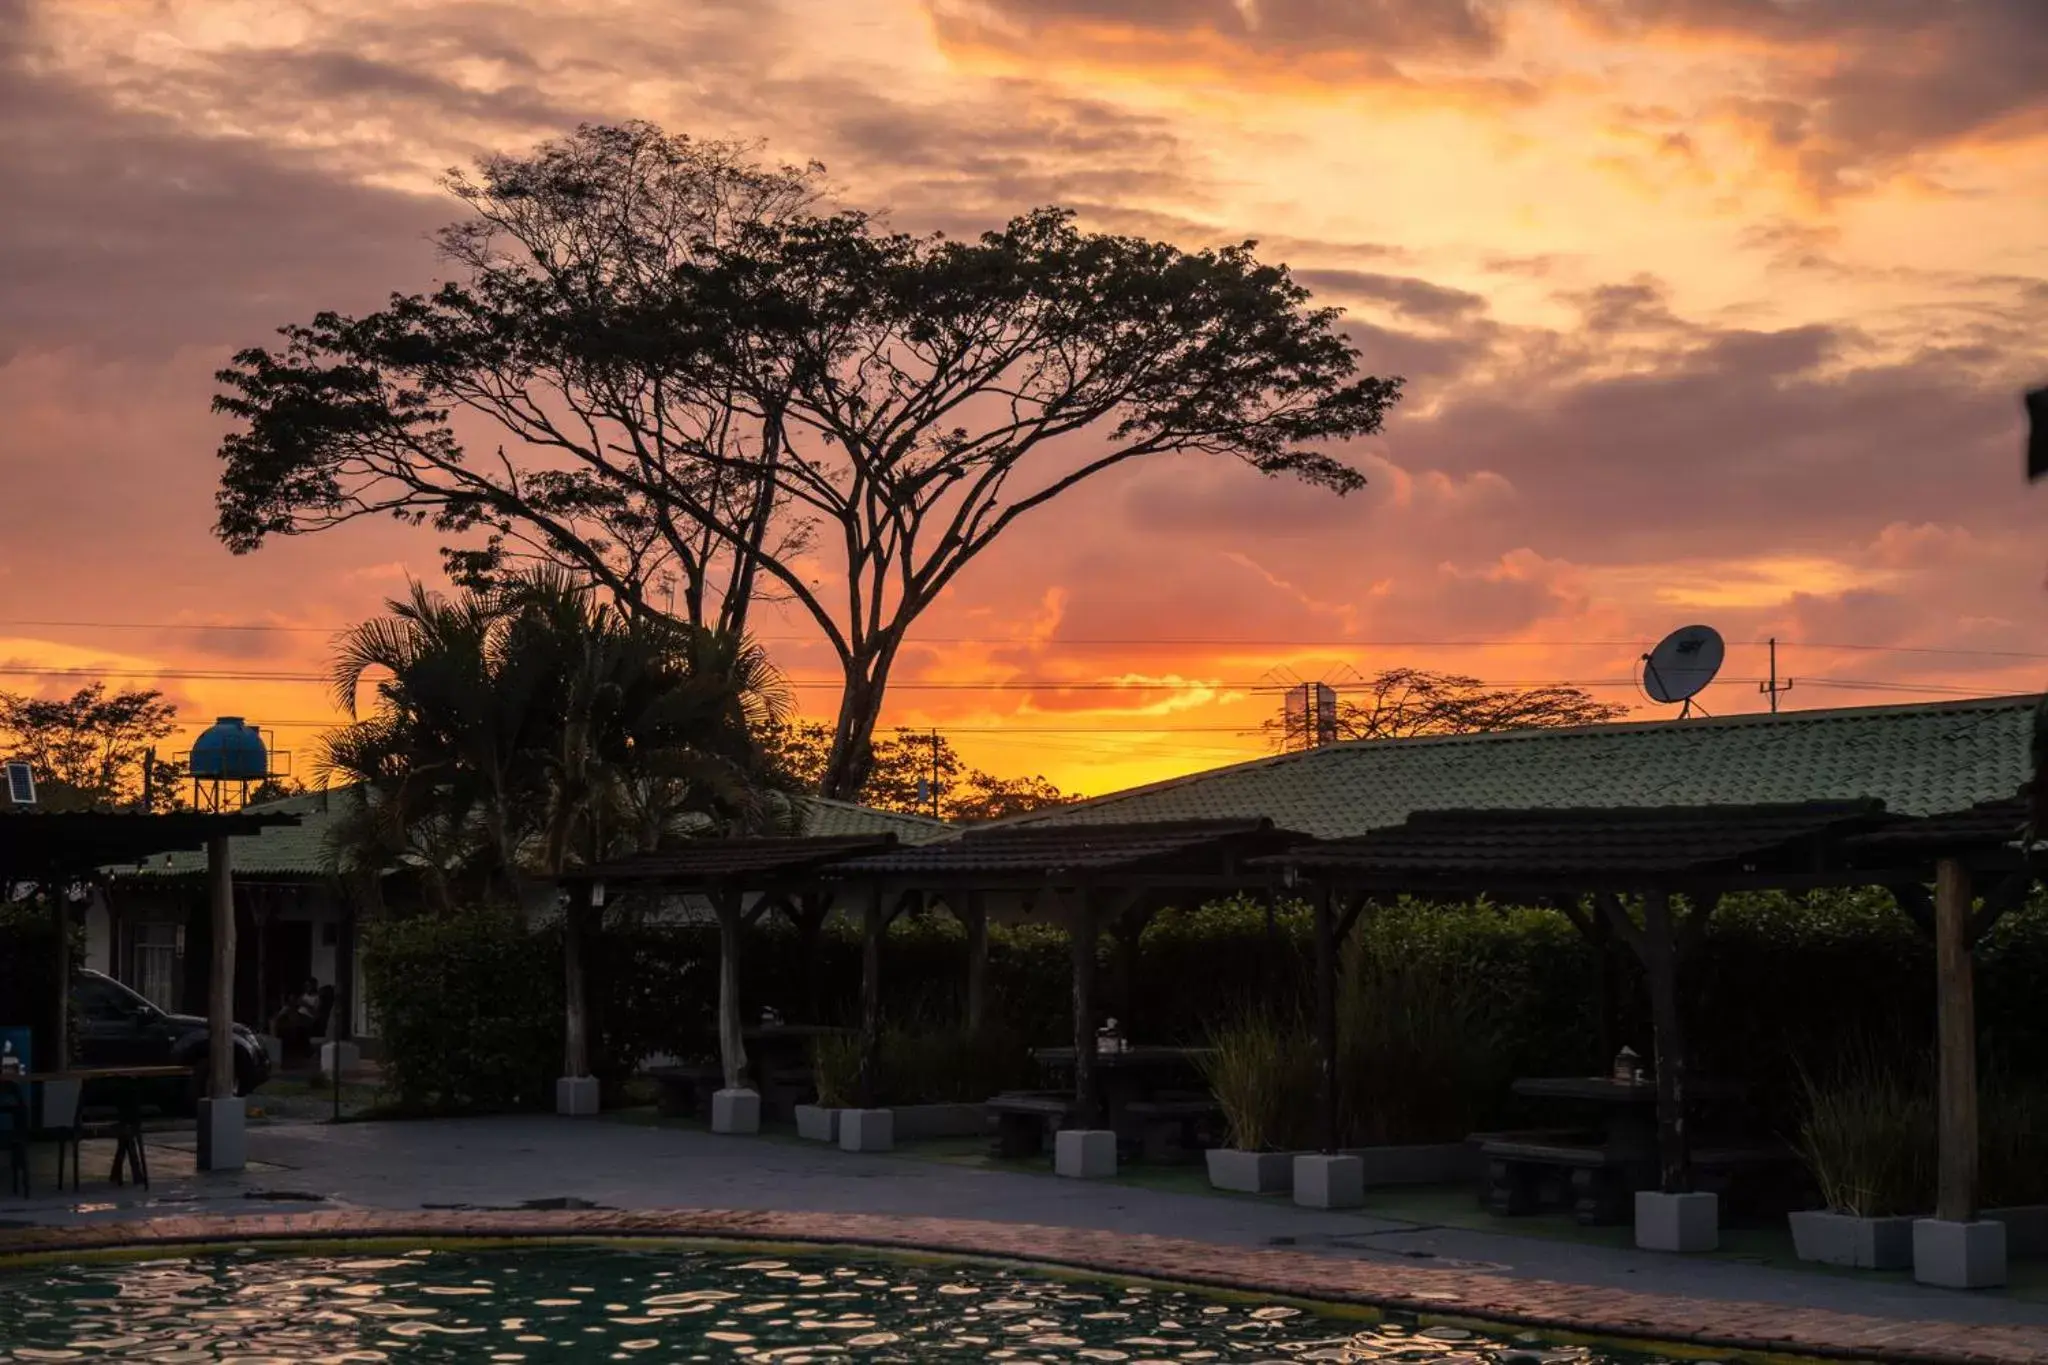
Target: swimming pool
x,y
684,1303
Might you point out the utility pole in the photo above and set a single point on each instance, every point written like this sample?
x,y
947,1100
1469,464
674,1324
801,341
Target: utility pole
x,y
1773,688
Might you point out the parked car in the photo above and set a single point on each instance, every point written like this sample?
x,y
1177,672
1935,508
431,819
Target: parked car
x,y
117,1027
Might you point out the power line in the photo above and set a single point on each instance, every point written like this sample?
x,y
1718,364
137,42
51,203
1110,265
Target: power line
x,y
1118,641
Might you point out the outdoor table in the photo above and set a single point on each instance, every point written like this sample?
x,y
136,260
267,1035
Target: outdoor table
x,y
1622,1160
125,1082
1134,1073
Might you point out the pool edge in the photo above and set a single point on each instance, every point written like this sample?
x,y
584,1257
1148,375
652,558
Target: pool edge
x,y
1628,1319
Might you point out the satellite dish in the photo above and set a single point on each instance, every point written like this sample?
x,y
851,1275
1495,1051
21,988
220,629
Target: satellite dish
x,y
1683,663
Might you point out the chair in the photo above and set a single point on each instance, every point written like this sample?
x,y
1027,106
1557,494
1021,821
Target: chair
x,y
14,1132
59,1122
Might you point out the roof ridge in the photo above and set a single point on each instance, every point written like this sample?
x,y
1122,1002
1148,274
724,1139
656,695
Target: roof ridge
x,y
1539,734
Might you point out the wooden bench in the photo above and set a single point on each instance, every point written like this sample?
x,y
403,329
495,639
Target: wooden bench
x,y
1022,1118
1171,1128
684,1091
1518,1164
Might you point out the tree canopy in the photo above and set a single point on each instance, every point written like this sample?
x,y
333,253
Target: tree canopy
x,y
666,367
88,749
918,772
1399,702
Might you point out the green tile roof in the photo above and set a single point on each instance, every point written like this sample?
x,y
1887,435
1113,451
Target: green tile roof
x,y
301,850
1920,759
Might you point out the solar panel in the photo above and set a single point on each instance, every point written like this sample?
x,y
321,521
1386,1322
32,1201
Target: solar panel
x,y
21,784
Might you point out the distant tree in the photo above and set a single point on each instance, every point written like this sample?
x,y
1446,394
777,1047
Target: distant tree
x,y
1402,702
87,749
707,384
905,769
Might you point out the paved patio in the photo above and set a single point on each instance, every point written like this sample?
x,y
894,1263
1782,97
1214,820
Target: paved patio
x,y
461,1168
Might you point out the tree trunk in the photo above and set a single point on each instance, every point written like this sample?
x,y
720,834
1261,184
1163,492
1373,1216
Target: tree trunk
x,y
1081,936
807,915
860,707
220,994
1956,1085
1661,962
874,922
732,1050
974,915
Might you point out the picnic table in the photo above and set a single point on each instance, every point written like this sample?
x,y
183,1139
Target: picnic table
x,y
123,1084
1601,1165
1154,1098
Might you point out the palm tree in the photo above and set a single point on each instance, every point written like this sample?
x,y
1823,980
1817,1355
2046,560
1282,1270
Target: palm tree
x,y
519,732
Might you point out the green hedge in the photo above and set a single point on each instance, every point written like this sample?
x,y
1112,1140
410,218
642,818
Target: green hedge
x,y
469,1009
28,971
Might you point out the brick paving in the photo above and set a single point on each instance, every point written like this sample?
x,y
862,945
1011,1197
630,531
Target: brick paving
x,y
1430,1291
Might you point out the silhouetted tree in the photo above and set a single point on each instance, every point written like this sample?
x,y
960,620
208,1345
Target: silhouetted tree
x,y
708,384
1412,701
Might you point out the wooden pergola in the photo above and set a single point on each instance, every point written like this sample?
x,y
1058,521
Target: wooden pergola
x,y
60,849
1654,875
1082,876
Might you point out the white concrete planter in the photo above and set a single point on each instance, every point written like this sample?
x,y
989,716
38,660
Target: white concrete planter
x,y
273,1048
867,1130
1677,1222
223,1134
1959,1255
1328,1182
1232,1168
815,1123
1845,1239
576,1096
735,1111
345,1054
1429,1163
917,1121
1084,1153
2026,1228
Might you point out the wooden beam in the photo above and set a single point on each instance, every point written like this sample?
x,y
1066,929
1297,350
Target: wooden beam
x,y
1326,1012
575,999
875,923
1661,962
1081,930
1355,907
1615,911
732,1047
220,994
1956,1050
973,912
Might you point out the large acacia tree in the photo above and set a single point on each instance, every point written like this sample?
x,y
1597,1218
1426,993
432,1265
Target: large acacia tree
x,y
665,366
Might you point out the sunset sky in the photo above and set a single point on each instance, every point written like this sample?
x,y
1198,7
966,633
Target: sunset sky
x,y
1709,310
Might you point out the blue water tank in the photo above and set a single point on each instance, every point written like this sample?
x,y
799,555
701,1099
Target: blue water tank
x,y
231,751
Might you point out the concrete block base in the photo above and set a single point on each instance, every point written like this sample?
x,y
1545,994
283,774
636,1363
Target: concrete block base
x,y
1328,1182
1959,1255
815,1123
1844,1239
1084,1153
866,1130
223,1134
1677,1222
1250,1172
735,1111
343,1054
576,1096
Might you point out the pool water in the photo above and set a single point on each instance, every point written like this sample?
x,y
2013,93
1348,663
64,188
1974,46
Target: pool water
x,y
676,1304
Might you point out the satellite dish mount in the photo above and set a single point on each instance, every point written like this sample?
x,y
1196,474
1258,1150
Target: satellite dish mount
x,y
1681,666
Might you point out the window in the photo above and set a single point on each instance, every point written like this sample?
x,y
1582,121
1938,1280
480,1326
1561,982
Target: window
x,y
99,998
153,967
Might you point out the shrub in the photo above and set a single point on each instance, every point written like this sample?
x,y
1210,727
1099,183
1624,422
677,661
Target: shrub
x,y
835,1069
469,1008
28,973
2012,1118
1262,1069
1868,1136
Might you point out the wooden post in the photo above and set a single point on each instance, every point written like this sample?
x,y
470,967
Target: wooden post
x,y
220,996
60,1031
1956,1197
1326,1011
873,925
732,1048
1661,960
1081,934
575,1000
974,915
